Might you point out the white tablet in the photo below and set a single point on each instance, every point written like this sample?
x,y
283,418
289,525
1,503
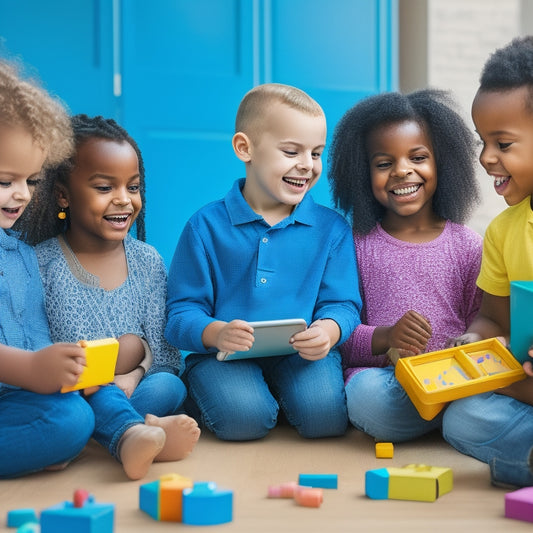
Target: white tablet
x,y
271,338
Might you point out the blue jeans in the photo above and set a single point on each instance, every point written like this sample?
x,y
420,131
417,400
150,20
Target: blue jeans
x,y
160,394
379,406
495,429
40,430
239,400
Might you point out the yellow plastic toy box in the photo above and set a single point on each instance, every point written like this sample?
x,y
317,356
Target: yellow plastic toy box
x,y
101,360
433,379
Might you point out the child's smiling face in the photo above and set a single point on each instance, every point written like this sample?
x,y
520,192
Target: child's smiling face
x,y
402,167
504,123
21,161
284,159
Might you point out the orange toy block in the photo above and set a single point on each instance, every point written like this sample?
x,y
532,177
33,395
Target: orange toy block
x,y
101,359
308,497
170,497
384,450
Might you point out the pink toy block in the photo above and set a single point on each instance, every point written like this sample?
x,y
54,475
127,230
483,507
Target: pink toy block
x,y
285,490
519,504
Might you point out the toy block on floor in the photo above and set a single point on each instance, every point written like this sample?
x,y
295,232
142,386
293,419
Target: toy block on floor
x,y
519,504
171,496
285,490
318,481
149,499
19,517
101,359
308,497
204,504
384,450
412,482
91,517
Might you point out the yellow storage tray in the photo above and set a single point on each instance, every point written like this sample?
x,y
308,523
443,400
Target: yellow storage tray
x,y
433,379
101,360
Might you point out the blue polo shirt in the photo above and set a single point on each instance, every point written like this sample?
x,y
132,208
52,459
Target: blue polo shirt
x,y
231,264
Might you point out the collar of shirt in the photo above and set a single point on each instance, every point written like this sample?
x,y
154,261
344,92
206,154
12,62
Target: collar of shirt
x,y
7,241
240,212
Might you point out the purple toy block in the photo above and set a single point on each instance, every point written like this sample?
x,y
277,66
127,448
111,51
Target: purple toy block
x,y
519,504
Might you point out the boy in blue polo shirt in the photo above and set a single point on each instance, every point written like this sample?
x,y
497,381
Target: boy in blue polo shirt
x,y
265,252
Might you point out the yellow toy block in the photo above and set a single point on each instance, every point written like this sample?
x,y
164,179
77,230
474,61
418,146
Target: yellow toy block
x,y
412,482
101,359
384,450
170,497
433,379
419,482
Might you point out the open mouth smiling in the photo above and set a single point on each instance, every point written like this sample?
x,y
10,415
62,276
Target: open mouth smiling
x,y
404,191
296,182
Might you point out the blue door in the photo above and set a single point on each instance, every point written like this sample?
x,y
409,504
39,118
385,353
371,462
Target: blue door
x,y
173,73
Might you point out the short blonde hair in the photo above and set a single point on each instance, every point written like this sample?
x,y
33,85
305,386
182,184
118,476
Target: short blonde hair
x,y
256,103
25,104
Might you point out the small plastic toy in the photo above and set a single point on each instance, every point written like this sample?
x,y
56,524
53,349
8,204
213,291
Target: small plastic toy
x,y
521,327
19,517
205,504
175,498
519,504
285,490
412,482
321,481
101,359
86,516
308,497
384,450
433,379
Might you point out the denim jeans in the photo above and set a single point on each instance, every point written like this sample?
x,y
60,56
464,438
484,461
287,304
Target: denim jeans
x,y
40,430
495,429
239,400
379,406
160,394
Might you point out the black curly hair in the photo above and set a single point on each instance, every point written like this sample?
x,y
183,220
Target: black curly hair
x,y
510,67
453,145
40,222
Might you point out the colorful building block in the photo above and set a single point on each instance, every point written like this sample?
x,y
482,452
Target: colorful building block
x,y
384,450
149,499
29,527
308,497
92,517
101,359
171,496
285,490
19,517
412,482
321,481
204,505
519,504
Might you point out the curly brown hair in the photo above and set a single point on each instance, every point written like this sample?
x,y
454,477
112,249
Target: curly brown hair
x,y
25,103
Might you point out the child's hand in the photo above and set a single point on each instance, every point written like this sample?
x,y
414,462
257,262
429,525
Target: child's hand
x,y
465,338
316,341
55,366
410,335
235,336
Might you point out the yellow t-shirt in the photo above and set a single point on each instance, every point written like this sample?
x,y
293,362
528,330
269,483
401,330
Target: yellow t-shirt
x,y
508,250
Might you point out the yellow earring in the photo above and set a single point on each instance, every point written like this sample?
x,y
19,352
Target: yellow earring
x,y
61,215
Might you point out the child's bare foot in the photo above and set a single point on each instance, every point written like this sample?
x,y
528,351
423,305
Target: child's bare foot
x,y
182,433
138,447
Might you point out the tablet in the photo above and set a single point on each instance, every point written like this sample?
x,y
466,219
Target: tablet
x,y
271,338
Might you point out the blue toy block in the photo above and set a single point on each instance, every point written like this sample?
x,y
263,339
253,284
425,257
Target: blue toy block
x,y
19,517
149,499
204,505
320,481
91,518
377,484
29,527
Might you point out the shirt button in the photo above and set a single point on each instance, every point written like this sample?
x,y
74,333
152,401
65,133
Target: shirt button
x,y
265,239
263,280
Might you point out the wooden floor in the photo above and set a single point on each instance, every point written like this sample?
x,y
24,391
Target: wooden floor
x,y
248,468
